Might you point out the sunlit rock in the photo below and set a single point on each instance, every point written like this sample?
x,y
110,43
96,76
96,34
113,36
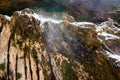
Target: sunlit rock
x,y
34,48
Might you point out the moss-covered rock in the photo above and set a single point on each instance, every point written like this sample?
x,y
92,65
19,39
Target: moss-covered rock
x,y
90,55
76,51
19,75
2,67
68,72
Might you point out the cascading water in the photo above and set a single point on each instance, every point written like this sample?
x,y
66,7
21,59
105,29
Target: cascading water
x,y
59,37
56,37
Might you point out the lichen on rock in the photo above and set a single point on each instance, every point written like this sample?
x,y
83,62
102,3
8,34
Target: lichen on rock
x,y
29,51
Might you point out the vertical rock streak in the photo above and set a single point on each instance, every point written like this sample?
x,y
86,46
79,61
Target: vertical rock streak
x,y
69,51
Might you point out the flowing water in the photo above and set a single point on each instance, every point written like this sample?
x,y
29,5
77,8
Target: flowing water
x,y
59,39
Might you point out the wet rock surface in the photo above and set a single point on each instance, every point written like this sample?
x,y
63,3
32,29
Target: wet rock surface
x,y
55,51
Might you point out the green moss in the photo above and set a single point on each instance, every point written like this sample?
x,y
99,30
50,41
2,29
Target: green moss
x,y
42,63
2,66
69,51
68,72
19,75
94,66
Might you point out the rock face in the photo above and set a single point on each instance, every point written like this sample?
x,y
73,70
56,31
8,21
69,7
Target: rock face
x,y
31,50
92,10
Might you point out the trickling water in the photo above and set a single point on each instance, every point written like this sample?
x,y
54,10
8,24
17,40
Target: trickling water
x,y
59,38
56,35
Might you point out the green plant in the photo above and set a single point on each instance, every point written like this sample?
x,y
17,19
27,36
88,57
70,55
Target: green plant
x,y
2,66
68,72
19,75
